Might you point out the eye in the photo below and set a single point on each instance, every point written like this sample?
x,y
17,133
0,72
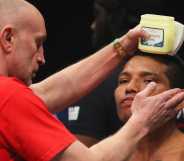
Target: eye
x,y
148,80
123,81
39,43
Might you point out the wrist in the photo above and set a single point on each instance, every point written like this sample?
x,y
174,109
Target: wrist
x,y
118,48
138,126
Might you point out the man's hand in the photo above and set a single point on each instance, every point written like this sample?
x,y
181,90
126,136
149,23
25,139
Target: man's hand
x,y
129,41
153,111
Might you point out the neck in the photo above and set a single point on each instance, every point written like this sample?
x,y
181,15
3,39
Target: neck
x,y
165,143
156,140
160,134
3,71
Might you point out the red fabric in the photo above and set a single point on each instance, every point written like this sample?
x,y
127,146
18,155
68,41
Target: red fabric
x,y
27,130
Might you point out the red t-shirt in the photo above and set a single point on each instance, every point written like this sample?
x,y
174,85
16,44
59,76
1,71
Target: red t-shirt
x,y
27,130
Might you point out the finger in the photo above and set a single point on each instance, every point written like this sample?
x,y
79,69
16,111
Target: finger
x,y
129,41
181,105
175,100
170,115
137,32
169,94
148,90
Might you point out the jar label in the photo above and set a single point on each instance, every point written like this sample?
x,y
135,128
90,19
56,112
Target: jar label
x,y
156,38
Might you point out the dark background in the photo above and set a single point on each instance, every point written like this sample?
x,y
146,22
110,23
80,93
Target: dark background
x,y
69,33
68,26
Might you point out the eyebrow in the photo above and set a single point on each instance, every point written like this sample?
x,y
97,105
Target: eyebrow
x,y
144,73
41,38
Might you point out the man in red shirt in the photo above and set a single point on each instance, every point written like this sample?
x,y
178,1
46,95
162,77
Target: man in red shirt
x,y
35,135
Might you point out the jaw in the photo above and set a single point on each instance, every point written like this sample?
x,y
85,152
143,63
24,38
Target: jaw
x,y
124,114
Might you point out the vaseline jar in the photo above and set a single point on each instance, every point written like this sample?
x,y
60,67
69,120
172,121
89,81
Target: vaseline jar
x,y
162,34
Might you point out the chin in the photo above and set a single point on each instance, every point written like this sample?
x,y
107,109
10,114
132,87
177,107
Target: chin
x,y
124,115
29,82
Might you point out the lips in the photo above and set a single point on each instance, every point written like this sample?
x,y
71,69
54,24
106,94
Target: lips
x,y
127,102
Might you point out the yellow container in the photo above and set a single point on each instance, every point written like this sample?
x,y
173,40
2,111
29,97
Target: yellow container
x,y
162,34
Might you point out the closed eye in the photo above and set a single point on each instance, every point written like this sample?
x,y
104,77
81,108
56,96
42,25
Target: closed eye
x,y
148,80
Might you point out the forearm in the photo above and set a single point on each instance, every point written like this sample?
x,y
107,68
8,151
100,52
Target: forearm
x,y
70,84
149,113
75,81
120,146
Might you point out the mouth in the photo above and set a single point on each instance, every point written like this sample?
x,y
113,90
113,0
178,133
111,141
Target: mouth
x,y
127,102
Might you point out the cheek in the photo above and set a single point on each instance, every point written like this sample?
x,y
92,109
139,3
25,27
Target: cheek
x,y
119,93
32,59
142,85
160,88
123,113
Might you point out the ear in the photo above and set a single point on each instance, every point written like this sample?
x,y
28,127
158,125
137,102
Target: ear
x,y
6,39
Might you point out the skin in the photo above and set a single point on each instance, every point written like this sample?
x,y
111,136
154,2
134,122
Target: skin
x,y
162,142
22,43
21,53
22,32
136,74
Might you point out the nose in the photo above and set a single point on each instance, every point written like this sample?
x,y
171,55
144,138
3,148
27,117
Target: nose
x,y
133,86
41,57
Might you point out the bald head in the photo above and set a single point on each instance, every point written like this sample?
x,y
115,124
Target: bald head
x,y
8,6
22,32
13,11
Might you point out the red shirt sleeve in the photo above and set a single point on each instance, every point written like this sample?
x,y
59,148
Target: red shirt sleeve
x,y
30,130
